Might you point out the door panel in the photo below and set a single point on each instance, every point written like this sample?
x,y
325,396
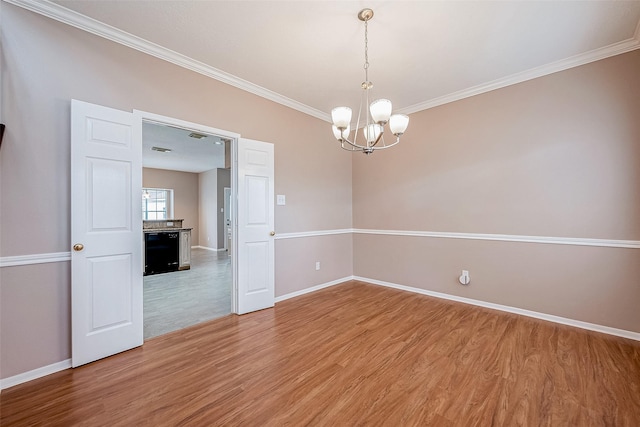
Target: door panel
x,y
109,206
106,272
256,277
110,283
258,272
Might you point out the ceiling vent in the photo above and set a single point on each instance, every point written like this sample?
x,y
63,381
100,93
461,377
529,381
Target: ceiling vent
x,y
162,150
197,135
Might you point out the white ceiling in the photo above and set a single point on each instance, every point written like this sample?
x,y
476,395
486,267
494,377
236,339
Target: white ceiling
x,y
421,52
187,154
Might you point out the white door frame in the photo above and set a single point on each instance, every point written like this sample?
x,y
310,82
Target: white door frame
x,y
143,116
227,212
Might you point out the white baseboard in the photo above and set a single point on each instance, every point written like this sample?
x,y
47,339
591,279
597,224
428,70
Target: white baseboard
x,y
34,374
543,316
206,248
313,288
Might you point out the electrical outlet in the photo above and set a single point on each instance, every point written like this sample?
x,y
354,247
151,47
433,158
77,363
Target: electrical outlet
x,y
317,265
464,279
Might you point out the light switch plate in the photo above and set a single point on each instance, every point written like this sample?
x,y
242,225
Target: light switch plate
x,y
281,200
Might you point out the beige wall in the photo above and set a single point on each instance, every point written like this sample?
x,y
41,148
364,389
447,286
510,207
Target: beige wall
x,y
185,194
45,64
34,316
208,188
223,180
555,156
335,253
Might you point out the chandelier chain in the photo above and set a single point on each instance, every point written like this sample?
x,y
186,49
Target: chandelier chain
x,y
366,45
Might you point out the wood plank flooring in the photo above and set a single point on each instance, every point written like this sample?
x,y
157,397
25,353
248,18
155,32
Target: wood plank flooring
x,y
350,355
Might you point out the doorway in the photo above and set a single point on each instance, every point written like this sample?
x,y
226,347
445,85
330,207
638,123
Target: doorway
x,y
192,165
107,259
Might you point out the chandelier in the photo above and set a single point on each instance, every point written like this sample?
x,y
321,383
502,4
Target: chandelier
x,y
376,115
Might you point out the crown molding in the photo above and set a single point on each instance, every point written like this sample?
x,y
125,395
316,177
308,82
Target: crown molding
x,y
90,25
533,73
77,20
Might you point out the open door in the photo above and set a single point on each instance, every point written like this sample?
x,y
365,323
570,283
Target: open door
x,y
106,232
256,276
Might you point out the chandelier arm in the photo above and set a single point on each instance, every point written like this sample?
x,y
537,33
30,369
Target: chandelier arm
x,y
358,147
349,148
382,147
354,144
355,133
381,136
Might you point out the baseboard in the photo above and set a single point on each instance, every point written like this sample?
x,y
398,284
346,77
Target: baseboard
x,y
34,374
515,310
206,248
313,288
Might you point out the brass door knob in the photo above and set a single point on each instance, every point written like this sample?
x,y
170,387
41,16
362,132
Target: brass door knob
x,y
78,247
273,233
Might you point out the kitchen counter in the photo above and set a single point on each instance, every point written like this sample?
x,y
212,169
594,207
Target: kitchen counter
x,y
166,248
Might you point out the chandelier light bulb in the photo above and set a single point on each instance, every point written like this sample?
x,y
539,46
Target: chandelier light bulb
x,y
372,132
341,117
380,111
340,136
398,124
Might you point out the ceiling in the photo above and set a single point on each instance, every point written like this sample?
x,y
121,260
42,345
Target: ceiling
x,y
187,154
310,54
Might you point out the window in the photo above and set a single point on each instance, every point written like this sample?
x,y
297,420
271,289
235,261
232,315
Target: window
x,y
157,203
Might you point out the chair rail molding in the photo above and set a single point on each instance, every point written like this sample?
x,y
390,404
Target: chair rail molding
x,y
575,241
12,261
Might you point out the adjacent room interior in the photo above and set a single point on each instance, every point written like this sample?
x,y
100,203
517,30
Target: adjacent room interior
x,y
186,182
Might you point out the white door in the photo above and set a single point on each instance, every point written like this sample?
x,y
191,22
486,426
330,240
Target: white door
x,y
256,277
106,232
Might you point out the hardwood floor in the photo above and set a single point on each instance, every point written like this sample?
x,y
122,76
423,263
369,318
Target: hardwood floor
x,y
180,299
352,354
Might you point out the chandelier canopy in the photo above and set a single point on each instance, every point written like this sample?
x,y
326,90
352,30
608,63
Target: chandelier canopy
x,y
376,114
